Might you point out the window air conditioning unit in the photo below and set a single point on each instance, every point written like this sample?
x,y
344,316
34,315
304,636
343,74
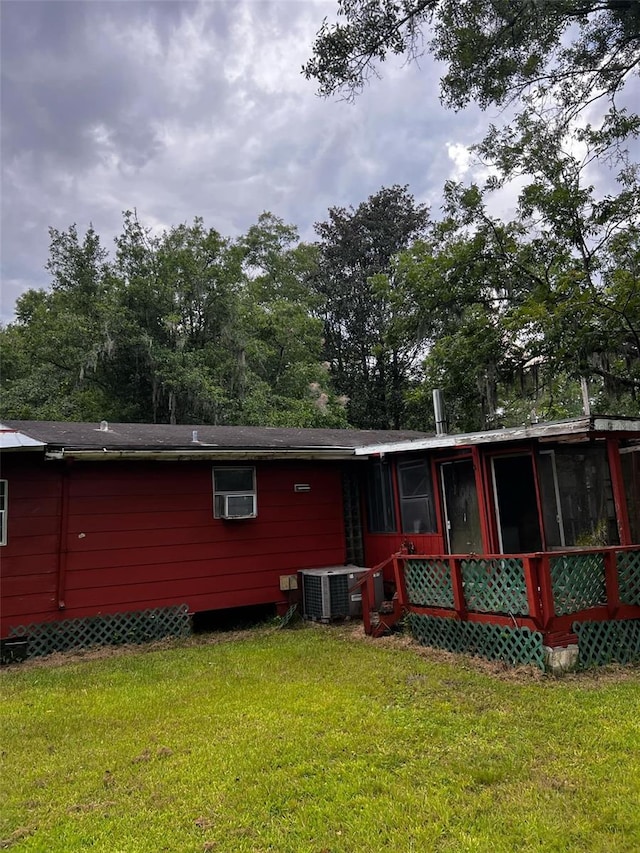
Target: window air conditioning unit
x,y
238,506
326,596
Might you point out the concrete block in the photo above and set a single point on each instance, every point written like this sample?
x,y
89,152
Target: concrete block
x,y
559,660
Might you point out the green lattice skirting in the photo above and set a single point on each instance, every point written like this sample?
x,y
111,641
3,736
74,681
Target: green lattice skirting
x,y
578,582
608,642
111,630
628,563
495,586
490,586
428,583
496,642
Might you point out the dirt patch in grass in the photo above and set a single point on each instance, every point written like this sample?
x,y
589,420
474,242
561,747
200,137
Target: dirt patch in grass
x,y
17,835
351,631
521,674
104,652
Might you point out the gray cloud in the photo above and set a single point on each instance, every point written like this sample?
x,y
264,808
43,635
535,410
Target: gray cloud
x,y
184,109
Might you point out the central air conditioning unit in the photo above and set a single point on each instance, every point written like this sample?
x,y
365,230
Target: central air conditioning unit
x,y
326,596
238,506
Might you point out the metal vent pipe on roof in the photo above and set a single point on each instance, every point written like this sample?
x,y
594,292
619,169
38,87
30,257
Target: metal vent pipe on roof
x,y
104,426
438,408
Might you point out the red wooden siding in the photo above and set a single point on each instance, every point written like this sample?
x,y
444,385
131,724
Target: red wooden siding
x,y
142,535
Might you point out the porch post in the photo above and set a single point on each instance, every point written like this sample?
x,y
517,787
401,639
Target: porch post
x,y
401,586
619,494
611,582
546,591
459,602
482,499
531,577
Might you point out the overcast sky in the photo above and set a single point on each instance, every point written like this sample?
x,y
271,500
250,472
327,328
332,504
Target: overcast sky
x,y
184,109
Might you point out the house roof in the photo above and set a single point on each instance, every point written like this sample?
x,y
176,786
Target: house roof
x,y
108,440
105,441
574,430
12,439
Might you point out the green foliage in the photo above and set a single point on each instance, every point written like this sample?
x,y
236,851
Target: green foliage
x,y
311,740
565,51
370,323
185,326
507,318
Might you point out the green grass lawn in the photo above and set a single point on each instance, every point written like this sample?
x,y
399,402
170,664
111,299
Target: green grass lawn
x,y
315,740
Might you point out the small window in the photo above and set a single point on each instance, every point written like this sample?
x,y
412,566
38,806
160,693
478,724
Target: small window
x,y
234,493
416,498
381,517
3,511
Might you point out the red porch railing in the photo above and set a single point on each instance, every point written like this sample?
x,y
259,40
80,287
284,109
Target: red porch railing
x,y
544,592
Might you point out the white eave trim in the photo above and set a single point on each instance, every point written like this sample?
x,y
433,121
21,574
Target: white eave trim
x,y
186,455
580,427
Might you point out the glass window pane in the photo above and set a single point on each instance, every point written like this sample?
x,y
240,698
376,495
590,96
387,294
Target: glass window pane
x,y
550,514
413,480
586,497
631,475
417,516
380,513
233,479
416,498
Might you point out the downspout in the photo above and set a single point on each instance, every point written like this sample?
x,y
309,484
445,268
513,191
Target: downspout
x,y
63,538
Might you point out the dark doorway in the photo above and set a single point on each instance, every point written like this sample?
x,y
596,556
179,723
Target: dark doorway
x,y
462,514
516,504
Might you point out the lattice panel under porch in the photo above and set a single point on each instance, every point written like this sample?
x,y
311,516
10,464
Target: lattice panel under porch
x,y
578,582
608,642
495,586
114,629
628,563
496,642
428,583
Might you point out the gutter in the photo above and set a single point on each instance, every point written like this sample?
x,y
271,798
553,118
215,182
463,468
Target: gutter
x,y
107,455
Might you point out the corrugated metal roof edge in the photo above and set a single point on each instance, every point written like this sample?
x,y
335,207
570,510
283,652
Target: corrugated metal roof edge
x,y
550,430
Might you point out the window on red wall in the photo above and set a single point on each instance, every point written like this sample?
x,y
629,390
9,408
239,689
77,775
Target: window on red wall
x,y
416,498
234,492
381,517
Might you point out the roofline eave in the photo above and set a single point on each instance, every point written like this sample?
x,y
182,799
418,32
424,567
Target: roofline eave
x,y
201,454
573,430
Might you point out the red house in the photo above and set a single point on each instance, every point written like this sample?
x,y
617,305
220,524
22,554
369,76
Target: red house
x,y
102,519
533,529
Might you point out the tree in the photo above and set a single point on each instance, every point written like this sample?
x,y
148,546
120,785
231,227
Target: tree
x,y
518,313
287,382
370,342
184,326
62,338
581,312
571,51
